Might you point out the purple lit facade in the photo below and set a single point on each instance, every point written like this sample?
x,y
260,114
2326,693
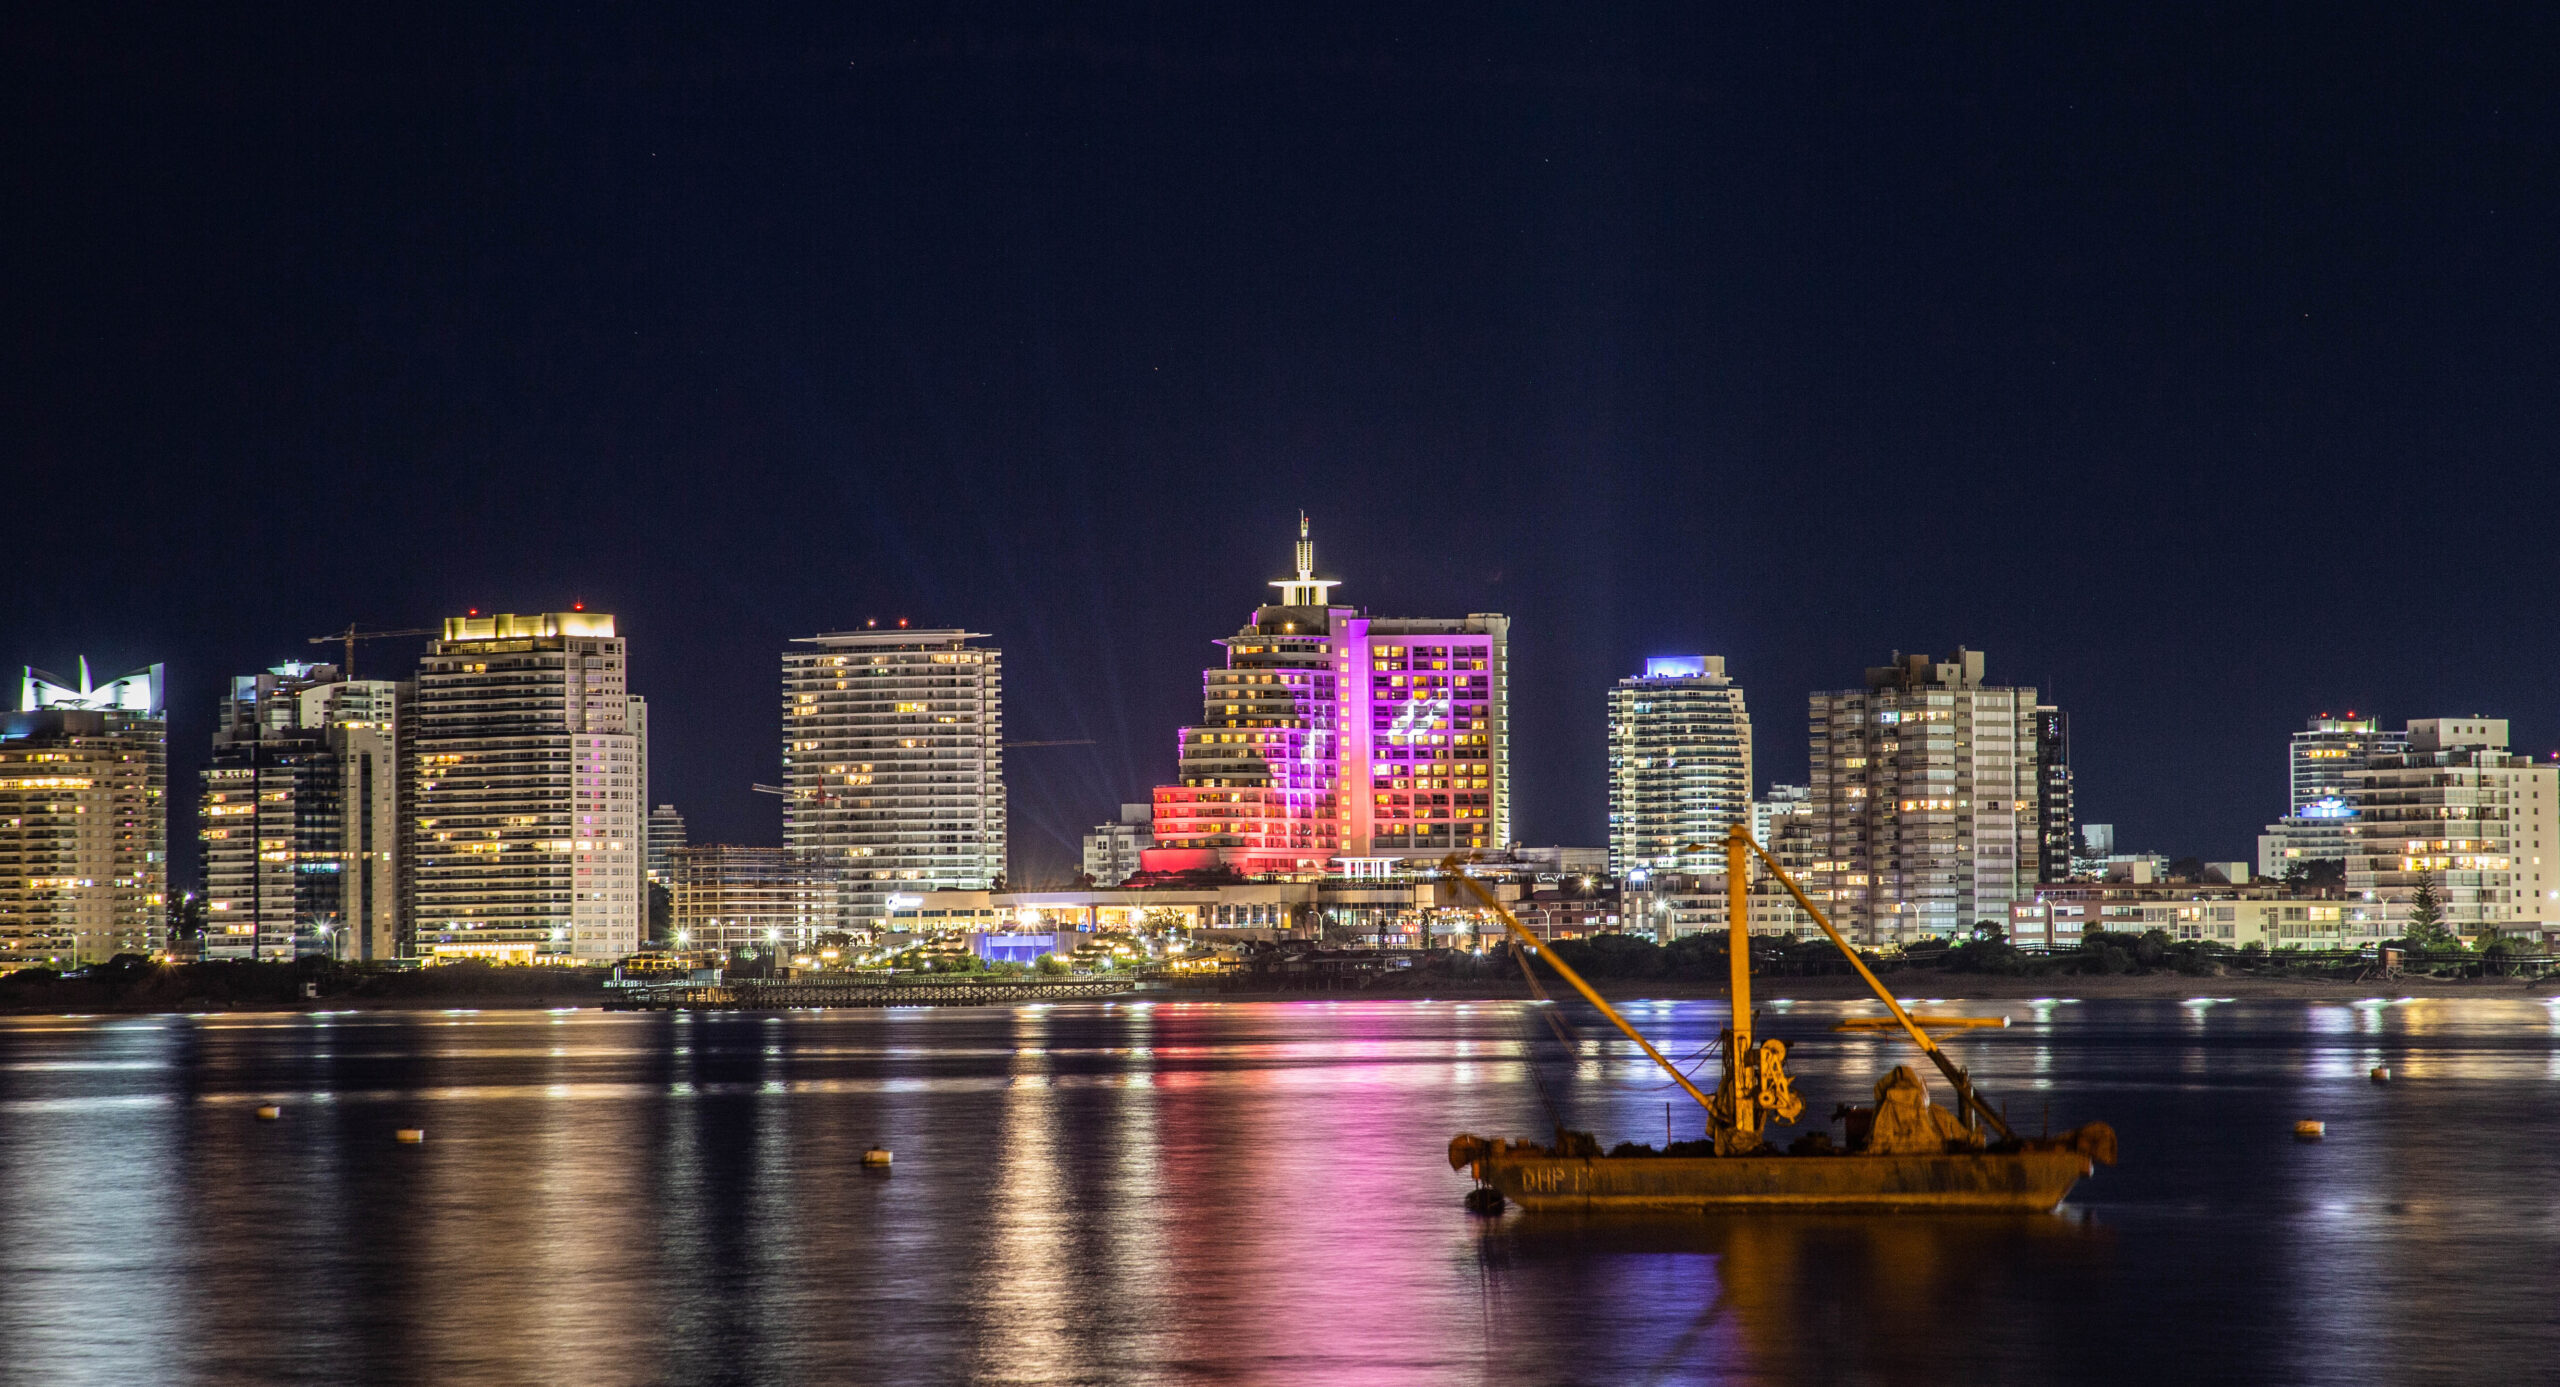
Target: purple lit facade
x,y
1330,733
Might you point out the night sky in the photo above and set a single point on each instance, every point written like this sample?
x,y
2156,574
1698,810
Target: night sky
x,y
2198,367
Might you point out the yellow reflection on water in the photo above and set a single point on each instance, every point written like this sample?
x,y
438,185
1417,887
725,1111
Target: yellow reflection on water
x,y
1020,1299
1756,1298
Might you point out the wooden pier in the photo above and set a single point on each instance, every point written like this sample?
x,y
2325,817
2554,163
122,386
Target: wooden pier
x,y
763,995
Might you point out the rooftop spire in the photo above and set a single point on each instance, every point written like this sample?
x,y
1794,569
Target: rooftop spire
x,y
1307,590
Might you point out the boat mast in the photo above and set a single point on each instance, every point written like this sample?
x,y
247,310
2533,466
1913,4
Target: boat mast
x,y
1739,1058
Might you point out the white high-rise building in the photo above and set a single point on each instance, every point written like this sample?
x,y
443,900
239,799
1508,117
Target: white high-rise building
x,y
2451,802
666,834
2318,763
1782,809
1925,816
529,835
1111,850
1679,766
893,762
639,726
84,819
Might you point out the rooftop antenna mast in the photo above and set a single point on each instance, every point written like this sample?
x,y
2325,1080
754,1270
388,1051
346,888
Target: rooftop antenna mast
x,y
1305,590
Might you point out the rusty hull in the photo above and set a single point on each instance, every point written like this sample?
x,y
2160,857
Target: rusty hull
x,y
2006,1181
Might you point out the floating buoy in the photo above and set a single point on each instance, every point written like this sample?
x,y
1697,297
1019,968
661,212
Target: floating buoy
x,y
2309,1129
878,1155
269,1113
410,1136
2382,1073
1484,1201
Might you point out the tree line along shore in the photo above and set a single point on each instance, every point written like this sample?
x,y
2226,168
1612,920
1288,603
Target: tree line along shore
x,y
130,983
2149,965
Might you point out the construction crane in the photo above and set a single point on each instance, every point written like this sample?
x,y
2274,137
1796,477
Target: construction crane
x,y
353,633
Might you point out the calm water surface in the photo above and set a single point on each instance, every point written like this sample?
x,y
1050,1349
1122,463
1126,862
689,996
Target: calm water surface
x,y
1240,1192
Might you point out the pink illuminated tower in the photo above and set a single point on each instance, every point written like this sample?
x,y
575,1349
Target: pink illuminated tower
x,y
1329,733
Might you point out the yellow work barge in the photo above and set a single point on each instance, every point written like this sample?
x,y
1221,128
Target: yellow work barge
x,y
1902,1153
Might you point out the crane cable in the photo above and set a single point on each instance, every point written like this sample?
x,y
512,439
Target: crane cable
x,y
1529,1037
1573,1045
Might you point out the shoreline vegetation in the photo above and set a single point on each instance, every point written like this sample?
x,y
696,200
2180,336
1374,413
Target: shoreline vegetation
x,y
2105,965
132,985
1621,967
1933,985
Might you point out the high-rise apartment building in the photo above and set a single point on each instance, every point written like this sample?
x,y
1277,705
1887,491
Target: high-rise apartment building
x,y
893,762
361,720
1925,800
2321,759
1679,766
300,818
84,819
2449,801
1111,850
636,718
1781,816
1331,733
2056,795
528,832
2318,763
666,834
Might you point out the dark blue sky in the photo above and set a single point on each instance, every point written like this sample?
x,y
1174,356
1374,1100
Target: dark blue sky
x,y
2198,367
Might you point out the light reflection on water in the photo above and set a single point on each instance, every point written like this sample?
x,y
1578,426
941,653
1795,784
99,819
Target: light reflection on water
x,y
1188,1192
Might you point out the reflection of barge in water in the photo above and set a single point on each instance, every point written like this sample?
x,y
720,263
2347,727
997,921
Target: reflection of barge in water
x,y
2029,1178
1902,1153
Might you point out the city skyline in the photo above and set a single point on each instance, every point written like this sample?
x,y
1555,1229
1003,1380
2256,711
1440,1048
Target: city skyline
x,y
1056,848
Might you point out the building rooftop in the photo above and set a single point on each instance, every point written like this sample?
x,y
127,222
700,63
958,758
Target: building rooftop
x,y
138,692
890,636
1964,671
508,626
